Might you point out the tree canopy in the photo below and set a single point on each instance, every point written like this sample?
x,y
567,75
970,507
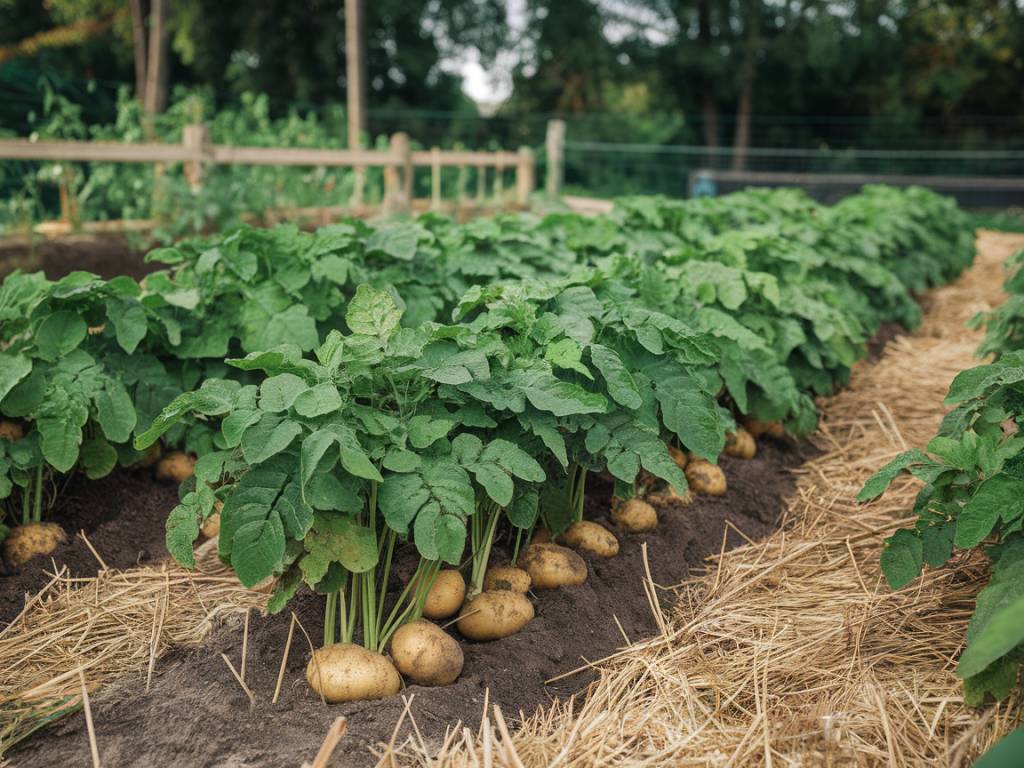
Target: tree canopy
x,y
717,72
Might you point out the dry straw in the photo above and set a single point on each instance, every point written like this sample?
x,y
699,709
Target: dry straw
x,y
792,651
77,634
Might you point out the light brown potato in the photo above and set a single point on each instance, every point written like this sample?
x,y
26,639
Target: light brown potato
x,y
11,430
740,444
591,537
493,615
670,495
149,458
26,541
176,466
211,525
551,566
96,330
678,456
541,535
426,654
644,480
446,595
506,577
348,672
705,478
635,516
761,428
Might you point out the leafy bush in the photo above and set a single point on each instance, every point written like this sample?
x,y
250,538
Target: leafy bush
x,y
973,498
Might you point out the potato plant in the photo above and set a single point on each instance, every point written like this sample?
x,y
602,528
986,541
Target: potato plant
x,y
973,497
355,390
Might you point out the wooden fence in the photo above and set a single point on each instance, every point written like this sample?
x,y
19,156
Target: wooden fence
x,y
197,153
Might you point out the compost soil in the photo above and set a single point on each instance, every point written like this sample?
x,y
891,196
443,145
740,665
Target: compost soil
x,y
122,516
196,714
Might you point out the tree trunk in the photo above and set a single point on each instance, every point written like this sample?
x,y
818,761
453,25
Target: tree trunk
x,y
741,139
709,104
156,69
355,72
745,105
138,10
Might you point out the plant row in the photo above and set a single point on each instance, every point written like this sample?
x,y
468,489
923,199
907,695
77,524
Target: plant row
x,y
358,395
972,498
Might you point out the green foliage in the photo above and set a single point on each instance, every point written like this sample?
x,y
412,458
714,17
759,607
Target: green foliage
x,y
429,382
972,497
1004,325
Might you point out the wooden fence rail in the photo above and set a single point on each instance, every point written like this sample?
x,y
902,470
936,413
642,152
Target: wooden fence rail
x,y
399,160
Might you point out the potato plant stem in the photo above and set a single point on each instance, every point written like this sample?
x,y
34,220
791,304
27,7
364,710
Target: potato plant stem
x,y
406,609
519,541
38,513
330,618
482,528
32,498
577,488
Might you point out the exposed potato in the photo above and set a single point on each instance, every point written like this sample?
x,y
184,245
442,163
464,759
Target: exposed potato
x,y
760,428
644,480
635,516
26,541
740,444
348,672
541,535
506,577
704,477
446,595
551,565
592,538
176,466
96,330
426,654
149,458
211,525
678,456
670,495
493,615
11,430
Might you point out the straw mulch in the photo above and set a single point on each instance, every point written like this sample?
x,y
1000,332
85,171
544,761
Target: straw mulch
x,y
76,634
792,651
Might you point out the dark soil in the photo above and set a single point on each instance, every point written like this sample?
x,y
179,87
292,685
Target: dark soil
x,y
195,713
105,255
886,333
123,517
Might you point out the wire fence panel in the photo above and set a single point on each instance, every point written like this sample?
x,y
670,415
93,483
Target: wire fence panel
x,y
613,168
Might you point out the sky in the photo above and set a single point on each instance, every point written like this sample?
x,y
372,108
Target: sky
x,y
493,85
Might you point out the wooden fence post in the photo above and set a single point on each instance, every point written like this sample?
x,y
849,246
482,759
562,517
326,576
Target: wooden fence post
x,y
481,184
499,183
435,178
524,176
555,145
196,138
398,176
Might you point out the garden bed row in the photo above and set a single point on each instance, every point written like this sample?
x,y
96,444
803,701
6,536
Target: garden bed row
x,y
364,409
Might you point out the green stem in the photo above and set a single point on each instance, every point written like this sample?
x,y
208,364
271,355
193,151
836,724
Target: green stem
x,y
485,523
344,621
390,537
38,516
577,488
519,541
406,609
330,618
26,505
